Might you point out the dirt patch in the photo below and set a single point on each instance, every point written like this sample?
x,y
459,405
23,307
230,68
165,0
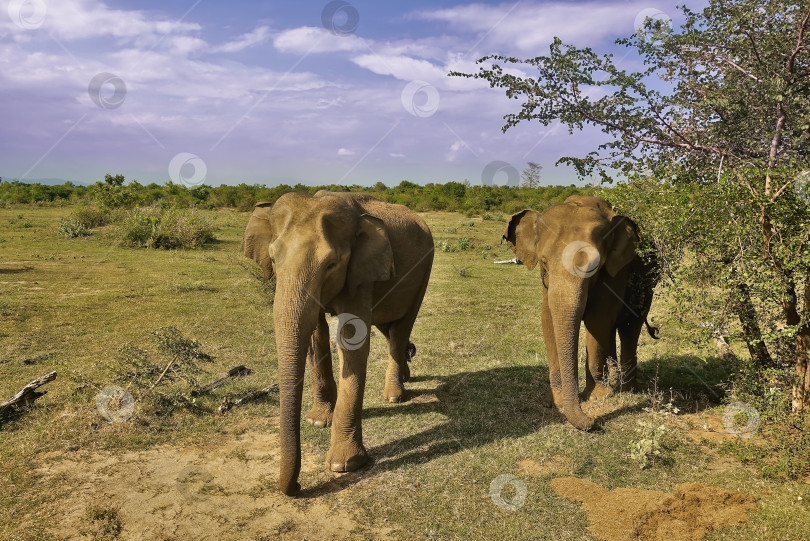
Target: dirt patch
x,y
690,513
701,427
555,464
220,492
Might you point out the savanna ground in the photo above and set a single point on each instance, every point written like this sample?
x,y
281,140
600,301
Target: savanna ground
x,y
71,304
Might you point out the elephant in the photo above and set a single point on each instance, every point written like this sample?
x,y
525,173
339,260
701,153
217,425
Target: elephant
x,y
591,272
350,255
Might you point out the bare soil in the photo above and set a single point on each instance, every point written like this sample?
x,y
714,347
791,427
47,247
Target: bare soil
x,y
690,513
221,492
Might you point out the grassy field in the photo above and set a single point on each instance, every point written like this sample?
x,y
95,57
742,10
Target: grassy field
x,y
189,472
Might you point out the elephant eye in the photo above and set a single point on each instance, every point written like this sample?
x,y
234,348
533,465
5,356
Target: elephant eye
x,y
331,265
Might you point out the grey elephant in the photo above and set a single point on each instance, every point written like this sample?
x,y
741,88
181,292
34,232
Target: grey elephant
x,y
591,273
354,256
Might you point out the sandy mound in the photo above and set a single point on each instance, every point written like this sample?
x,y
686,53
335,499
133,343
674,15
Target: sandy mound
x,y
692,512
220,492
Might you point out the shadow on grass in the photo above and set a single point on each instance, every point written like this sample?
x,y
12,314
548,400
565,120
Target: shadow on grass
x,y
693,383
16,270
481,407
490,405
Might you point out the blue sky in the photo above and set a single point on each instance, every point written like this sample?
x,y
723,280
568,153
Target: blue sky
x,y
265,93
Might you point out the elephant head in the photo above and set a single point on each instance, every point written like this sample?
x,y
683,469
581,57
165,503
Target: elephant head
x,y
319,248
573,244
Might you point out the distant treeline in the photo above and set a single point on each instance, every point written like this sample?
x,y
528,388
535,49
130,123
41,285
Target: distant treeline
x,y
452,196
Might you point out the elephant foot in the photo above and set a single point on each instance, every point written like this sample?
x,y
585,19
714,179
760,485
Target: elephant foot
x,y
598,392
320,415
347,458
394,392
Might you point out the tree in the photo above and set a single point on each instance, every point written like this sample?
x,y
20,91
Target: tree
x,y
717,125
115,181
531,175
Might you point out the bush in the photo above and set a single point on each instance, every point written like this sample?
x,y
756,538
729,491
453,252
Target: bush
x,y
157,228
91,216
72,228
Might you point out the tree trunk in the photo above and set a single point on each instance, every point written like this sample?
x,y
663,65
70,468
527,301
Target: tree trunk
x,y
801,385
751,332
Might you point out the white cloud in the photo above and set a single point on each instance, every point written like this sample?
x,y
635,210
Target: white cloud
x,y
260,35
396,155
454,151
184,45
309,39
345,152
85,19
401,67
531,27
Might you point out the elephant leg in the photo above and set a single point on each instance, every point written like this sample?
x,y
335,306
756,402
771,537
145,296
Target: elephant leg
x,y
398,372
554,396
324,389
346,451
629,334
600,345
399,343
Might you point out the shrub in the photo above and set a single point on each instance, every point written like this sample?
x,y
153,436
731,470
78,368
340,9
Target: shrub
x,y
91,216
72,228
157,228
463,244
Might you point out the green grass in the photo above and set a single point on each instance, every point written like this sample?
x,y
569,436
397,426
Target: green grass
x,y
71,304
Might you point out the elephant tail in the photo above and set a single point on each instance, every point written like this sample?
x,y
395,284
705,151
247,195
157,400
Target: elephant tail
x,y
410,353
653,331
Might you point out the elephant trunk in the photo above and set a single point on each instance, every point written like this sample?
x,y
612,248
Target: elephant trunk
x,y
567,308
295,320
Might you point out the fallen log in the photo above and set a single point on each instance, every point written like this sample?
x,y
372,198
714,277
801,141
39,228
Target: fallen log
x,y
26,397
227,403
236,372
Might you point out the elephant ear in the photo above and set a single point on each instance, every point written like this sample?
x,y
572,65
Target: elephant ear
x,y
372,258
257,238
521,235
623,248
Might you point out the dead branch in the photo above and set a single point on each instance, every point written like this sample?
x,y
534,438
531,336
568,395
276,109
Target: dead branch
x,y
236,372
227,403
26,397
